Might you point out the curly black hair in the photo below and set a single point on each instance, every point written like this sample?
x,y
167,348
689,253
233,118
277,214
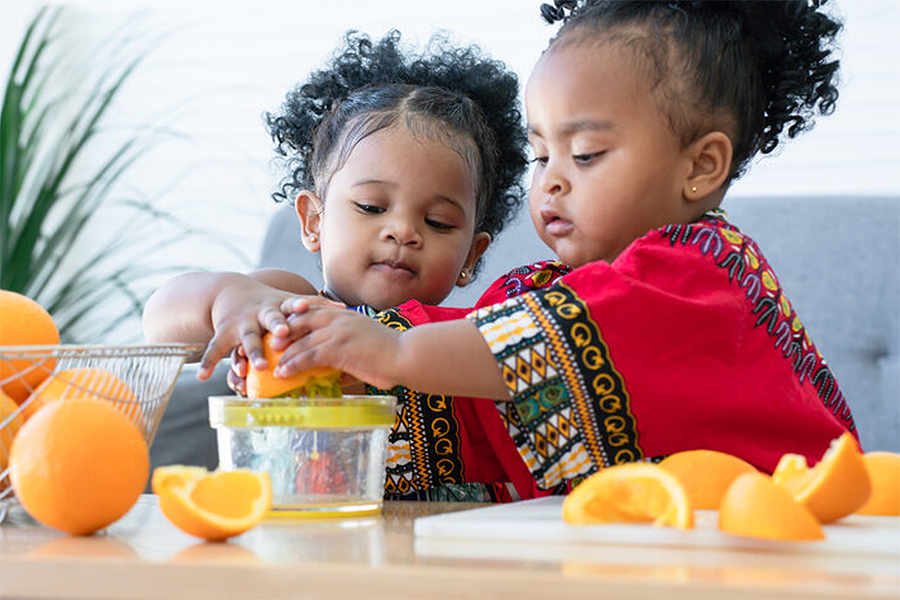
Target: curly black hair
x,y
453,94
757,68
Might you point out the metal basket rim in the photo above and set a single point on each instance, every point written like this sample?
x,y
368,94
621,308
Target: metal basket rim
x,y
75,351
33,348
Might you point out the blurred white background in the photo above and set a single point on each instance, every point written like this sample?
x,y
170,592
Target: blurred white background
x,y
221,64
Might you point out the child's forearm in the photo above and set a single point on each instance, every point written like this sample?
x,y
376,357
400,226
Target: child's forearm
x,y
466,366
179,311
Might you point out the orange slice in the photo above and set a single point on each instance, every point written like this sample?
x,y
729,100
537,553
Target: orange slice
x,y
213,506
884,473
630,493
705,474
837,486
754,506
264,384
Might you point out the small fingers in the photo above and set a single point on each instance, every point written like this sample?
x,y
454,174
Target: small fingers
x,y
239,362
215,351
273,319
252,344
300,304
236,383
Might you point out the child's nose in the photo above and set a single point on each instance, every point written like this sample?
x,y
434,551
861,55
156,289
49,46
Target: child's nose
x,y
553,180
403,232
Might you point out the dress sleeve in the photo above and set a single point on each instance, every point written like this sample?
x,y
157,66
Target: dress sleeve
x,y
669,348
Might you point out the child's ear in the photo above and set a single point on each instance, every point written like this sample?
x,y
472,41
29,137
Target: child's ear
x,y
480,243
309,211
710,163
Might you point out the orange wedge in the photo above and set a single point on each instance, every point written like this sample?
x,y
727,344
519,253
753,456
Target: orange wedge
x,y
754,506
705,474
630,493
837,486
884,474
213,506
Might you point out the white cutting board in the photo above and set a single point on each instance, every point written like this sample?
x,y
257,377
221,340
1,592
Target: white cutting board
x,y
540,520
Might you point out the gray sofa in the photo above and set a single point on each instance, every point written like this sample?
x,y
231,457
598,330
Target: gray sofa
x,y
838,259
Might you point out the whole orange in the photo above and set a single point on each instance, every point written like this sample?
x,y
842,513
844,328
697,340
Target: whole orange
x,y
705,474
86,382
79,465
884,473
24,322
10,423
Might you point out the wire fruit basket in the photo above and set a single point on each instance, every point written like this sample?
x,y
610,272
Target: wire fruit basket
x,y
138,379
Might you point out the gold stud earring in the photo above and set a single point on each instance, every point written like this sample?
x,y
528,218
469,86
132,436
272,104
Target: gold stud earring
x,y
313,239
694,189
463,274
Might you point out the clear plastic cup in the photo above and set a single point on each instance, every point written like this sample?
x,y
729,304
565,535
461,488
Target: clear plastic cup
x,y
325,456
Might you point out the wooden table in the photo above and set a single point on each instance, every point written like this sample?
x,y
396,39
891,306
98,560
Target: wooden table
x,y
143,556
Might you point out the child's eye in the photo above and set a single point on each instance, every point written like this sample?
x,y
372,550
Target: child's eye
x,y
585,159
438,225
541,160
369,208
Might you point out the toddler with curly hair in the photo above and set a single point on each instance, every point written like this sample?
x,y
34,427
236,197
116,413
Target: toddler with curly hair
x,y
402,168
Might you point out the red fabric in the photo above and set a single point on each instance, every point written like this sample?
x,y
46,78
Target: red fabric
x,y
700,373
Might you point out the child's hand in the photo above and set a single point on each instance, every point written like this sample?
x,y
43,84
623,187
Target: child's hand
x,y
237,374
330,335
240,314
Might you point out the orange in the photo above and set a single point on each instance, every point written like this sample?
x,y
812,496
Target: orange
x,y
78,465
213,506
86,382
755,506
837,486
10,423
630,493
263,384
705,474
884,473
24,322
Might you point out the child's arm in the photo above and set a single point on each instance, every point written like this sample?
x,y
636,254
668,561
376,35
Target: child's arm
x,y
221,310
440,358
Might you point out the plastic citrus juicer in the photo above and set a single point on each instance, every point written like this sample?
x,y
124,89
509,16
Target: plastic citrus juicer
x,y
325,456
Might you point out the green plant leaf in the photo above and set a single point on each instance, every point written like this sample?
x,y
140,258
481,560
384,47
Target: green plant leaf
x,y
48,202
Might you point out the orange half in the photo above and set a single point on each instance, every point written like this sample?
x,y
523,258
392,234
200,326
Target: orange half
x,y
630,493
264,384
213,506
705,474
837,486
754,506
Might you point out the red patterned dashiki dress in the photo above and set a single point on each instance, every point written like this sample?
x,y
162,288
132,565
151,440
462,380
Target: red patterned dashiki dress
x,y
685,341
437,448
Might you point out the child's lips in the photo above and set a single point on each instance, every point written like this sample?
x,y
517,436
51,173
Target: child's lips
x,y
555,225
394,269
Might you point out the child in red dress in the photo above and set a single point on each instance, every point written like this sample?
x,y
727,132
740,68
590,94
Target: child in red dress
x,y
664,328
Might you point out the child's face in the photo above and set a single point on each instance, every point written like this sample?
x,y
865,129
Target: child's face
x,y
398,222
608,167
